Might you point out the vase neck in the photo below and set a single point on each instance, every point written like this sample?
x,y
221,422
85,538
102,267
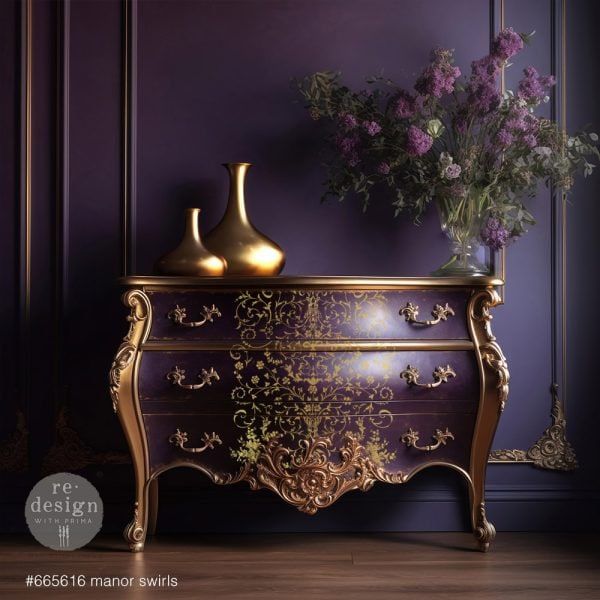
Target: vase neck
x,y
236,205
192,227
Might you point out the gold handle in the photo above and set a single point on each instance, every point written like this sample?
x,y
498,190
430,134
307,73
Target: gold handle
x,y
180,438
411,437
440,375
177,375
439,313
178,315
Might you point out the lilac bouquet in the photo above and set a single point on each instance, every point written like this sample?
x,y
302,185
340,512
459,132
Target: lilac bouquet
x,y
456,140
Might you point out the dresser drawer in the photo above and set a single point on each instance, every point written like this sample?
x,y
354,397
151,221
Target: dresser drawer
x,y
274,314
407,442
262,381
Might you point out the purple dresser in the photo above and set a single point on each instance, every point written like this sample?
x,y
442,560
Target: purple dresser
x,y
308,386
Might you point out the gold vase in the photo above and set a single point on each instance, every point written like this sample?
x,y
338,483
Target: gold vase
x,y
191,257
247,251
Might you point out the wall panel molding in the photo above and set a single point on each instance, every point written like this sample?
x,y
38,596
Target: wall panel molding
x,y
552,450
129,135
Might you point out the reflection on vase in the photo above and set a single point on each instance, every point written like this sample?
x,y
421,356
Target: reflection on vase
x,y
191,258
247,251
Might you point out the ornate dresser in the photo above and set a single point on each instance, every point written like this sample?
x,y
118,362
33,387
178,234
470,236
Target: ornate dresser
x,y
308,386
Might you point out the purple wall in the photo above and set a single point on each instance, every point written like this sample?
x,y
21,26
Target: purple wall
x,y
212,86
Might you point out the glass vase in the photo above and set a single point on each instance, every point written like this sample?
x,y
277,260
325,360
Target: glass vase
x,y
461,220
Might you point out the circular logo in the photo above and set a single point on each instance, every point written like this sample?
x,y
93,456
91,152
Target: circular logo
x,y
64,511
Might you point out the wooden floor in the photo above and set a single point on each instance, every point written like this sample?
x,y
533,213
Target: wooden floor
x,y
350,566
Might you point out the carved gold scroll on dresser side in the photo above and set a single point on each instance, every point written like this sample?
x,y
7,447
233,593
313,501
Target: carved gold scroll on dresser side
x,y
357,381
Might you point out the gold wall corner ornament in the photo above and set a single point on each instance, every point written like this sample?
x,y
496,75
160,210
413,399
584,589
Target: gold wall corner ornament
x,y
484,531
411,438
553,451
14,455
247,251
308,479
179,314
177,377
440,375
439,313
209,441
492,356
191,257
70,453
509,456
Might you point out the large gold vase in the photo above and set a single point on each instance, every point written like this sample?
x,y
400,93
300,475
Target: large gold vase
x,y
247,251
191,257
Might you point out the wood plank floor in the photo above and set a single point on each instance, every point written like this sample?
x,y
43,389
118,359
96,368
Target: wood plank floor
x,y
332,566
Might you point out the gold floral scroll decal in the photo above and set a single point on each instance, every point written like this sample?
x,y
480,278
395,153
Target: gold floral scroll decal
x,y
306,314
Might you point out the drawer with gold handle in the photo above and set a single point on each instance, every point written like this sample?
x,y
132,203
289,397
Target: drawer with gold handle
x,y
411,438
440,375
179,314
439,313
228,315
177,376
209,441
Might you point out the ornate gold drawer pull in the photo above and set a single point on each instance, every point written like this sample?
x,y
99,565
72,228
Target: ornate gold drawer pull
x,y
411,437
177,375
178,315
439,313
180,438
440,375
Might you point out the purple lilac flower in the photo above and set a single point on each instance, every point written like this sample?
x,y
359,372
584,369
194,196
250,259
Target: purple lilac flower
x,y
452,171
404,105
507,44
530,140
371,127
494,234
438,77
349,121
347,144
353,158
483,93
504,138
533,88
417,142
348,147
521,120
383,168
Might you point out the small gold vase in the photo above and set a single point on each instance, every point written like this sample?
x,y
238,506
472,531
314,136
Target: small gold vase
x,y
191,257
247,251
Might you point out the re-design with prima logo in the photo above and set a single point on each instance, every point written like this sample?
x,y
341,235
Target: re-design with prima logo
x,y
64,511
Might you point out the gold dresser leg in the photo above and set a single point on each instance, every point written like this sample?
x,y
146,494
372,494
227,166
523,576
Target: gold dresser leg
x,y
124,395
494,376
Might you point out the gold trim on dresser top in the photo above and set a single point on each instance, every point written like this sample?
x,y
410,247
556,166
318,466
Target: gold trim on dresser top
x,y
150,283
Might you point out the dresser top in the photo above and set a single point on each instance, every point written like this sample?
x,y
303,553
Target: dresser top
x,y
337,282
